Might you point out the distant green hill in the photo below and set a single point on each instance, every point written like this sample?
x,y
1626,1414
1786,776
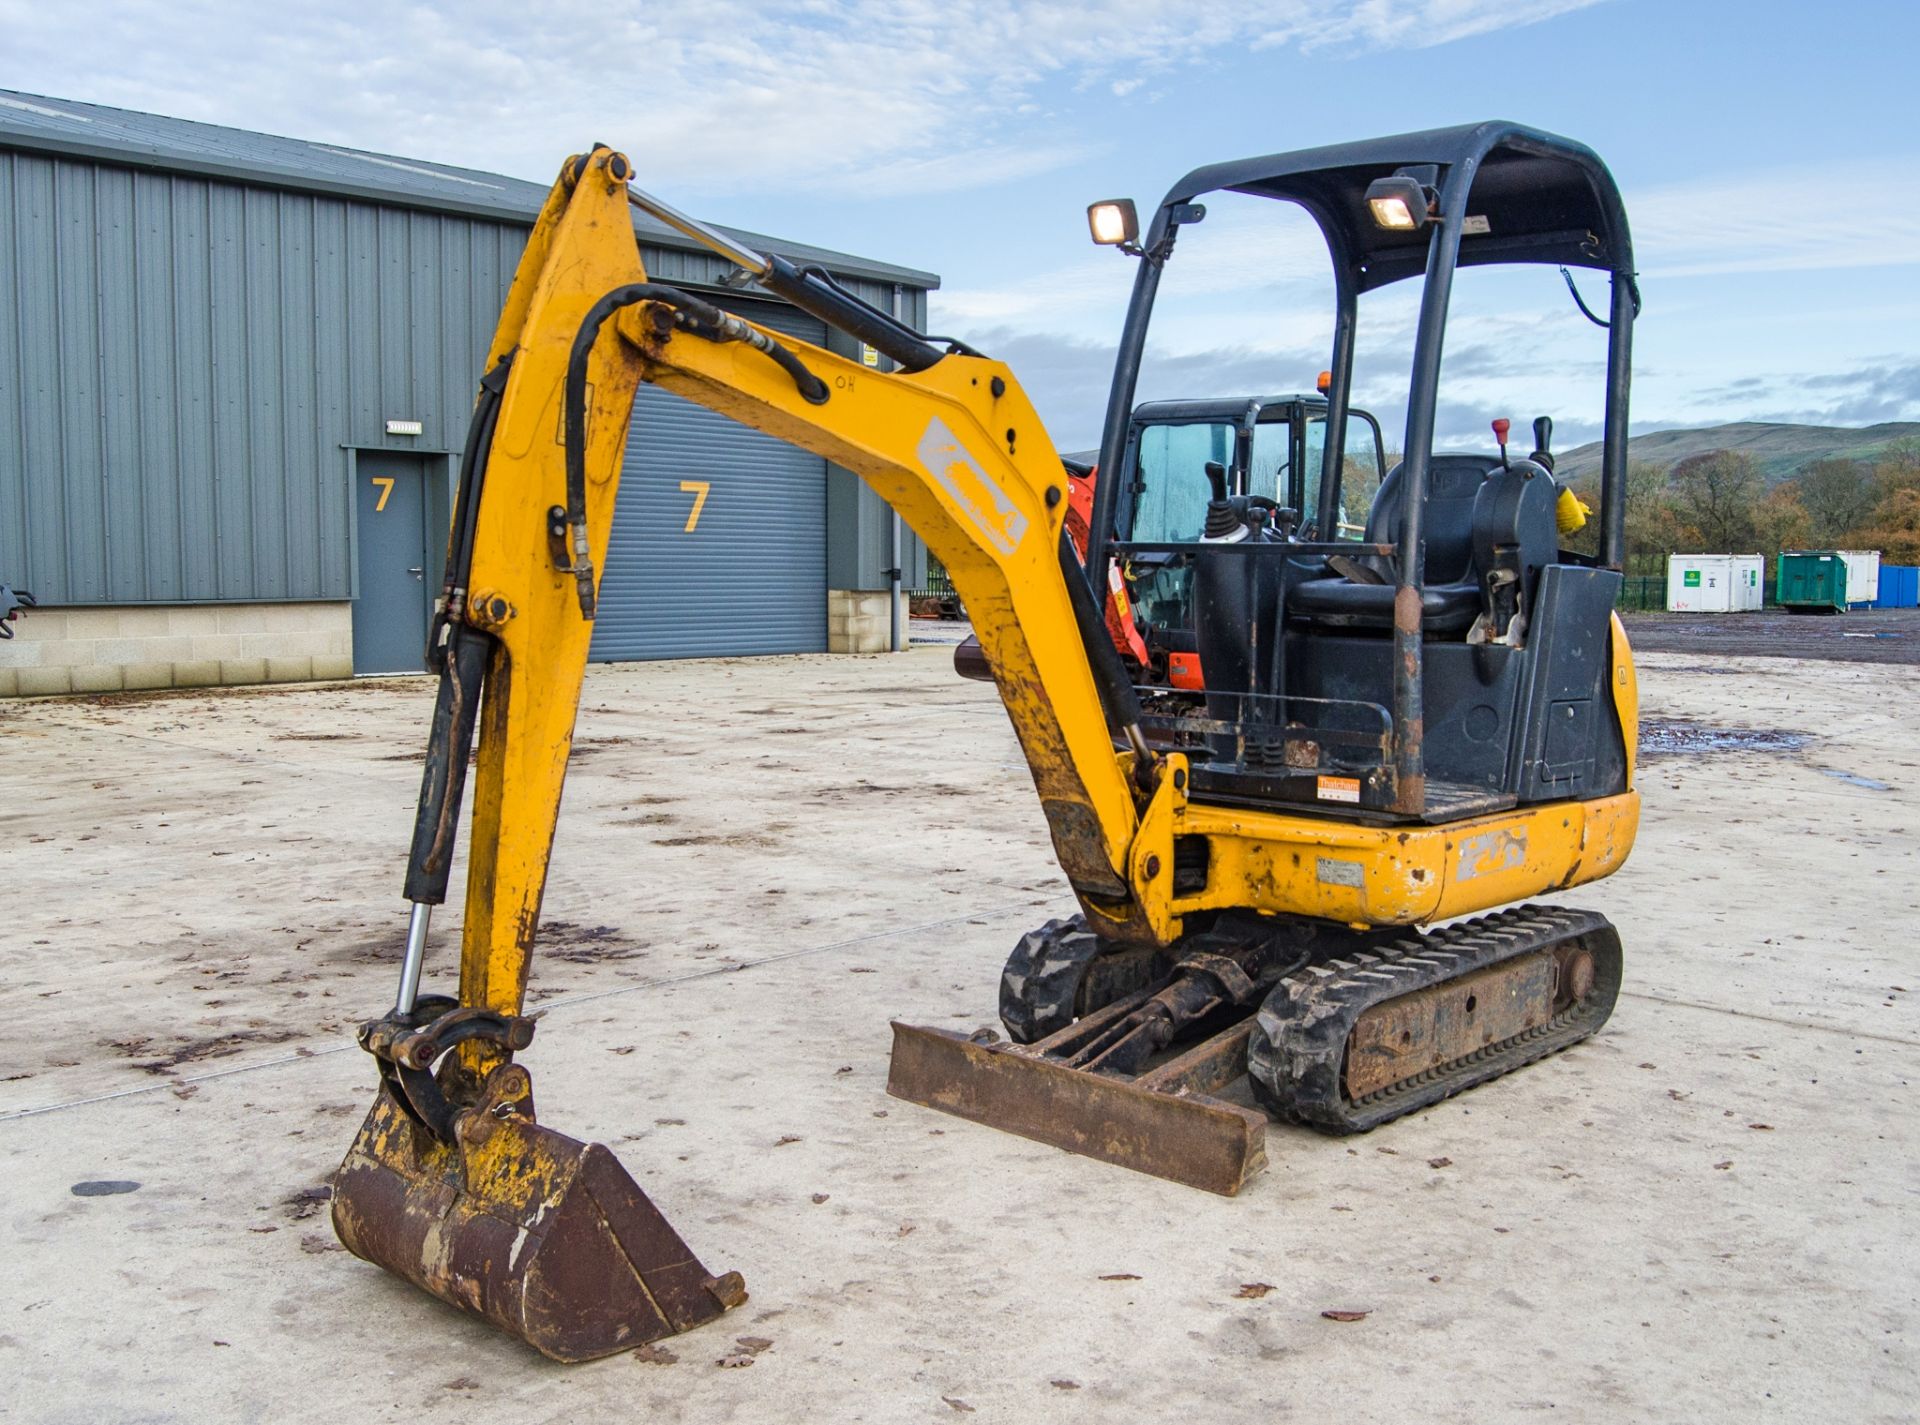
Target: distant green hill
x,y
1781,449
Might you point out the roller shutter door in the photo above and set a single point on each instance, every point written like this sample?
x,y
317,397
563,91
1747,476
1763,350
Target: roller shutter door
x,y
750,576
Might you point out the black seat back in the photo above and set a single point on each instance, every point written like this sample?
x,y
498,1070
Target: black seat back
x,y
1452,483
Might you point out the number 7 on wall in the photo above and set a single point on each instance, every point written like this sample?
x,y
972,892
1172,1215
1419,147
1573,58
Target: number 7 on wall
x,y
698,489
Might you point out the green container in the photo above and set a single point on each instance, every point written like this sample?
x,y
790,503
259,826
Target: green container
x,y
1811,581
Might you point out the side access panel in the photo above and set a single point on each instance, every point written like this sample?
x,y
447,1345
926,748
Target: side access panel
x,y
1570,746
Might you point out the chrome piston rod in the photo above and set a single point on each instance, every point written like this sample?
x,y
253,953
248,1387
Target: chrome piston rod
x,y
415,957
712,238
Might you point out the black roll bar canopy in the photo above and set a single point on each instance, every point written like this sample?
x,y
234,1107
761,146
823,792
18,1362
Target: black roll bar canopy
x,y
1545,199
1532,196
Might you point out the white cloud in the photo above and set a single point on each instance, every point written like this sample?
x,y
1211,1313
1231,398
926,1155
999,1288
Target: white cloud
x,y
1783,220
956,172
1244,250
726,94
1412,24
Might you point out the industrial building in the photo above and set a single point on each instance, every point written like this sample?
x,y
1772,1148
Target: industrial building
x,y
235,375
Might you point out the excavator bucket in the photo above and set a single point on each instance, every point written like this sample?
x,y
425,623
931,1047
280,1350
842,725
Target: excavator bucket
x,y
544,1236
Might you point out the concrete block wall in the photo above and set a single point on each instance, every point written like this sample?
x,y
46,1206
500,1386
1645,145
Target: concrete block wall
x,y
102,650
858,621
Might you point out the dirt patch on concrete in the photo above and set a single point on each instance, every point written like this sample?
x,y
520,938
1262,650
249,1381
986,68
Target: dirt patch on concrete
x,y
172,1054
584,944
926,789
737,838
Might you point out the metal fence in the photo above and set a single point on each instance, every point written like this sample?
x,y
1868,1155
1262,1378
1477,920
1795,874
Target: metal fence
x,y
1643,593
938,585
1639,593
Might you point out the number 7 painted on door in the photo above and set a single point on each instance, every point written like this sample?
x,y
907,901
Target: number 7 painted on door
x,y
698,489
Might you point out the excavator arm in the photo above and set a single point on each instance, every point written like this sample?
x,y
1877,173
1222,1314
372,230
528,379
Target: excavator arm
x,y
957,449
451,1183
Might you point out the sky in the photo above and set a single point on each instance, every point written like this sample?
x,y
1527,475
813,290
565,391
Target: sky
x,y
1766,150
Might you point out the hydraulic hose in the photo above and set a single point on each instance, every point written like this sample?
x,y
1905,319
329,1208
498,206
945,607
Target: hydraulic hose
x,y
466,512
473,466
701,318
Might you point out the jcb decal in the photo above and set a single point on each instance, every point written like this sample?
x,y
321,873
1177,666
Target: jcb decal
x,y
1490,851
977,493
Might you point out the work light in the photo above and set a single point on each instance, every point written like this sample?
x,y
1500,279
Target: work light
x,y
1398,203
1114,223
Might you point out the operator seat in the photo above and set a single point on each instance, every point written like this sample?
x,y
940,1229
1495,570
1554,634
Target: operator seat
x,y
1488,528
1452,598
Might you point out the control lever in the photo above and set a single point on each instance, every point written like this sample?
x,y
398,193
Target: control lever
x,y
1543,443
1284,517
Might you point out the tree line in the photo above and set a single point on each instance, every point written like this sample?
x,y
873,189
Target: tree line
x,y
1718,503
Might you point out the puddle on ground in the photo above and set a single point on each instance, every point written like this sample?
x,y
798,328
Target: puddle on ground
x,y
1855,779
1676,737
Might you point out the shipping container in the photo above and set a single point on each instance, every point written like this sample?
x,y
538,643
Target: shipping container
x,y
1811,581
1713,583
1863,576
1899,587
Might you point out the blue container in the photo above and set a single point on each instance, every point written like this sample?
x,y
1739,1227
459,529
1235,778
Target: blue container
x,y
1899,587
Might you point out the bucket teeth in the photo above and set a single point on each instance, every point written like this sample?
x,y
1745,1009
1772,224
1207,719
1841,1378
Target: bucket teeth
x,y
544,1236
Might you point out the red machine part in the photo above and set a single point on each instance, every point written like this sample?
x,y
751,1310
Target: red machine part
x,y
1126,637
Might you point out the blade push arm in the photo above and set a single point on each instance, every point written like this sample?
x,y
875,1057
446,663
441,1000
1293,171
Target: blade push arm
x,y
957,448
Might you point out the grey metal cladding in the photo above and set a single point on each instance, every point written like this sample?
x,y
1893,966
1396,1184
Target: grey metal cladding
x,y
127,137
183,363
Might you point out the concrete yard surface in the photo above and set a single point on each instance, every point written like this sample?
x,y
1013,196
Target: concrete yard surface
x,y
1708,1213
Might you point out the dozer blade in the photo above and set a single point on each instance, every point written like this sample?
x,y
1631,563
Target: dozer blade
x,y
544,1236
1185,1137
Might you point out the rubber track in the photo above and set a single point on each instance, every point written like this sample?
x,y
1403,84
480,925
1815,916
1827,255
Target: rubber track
x,y
1042,978
1296,1055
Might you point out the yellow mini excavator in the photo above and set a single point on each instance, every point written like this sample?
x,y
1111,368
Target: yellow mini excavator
x,y
1432,719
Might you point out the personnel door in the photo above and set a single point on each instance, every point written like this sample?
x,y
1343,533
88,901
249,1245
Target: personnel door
x,y
395,600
